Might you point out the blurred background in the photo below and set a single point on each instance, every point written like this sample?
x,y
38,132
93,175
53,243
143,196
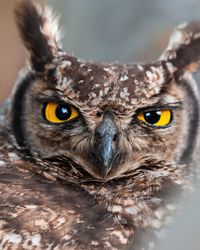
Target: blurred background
x,y
110,30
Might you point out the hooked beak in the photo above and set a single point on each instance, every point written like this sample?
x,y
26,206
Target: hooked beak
x,y
105,143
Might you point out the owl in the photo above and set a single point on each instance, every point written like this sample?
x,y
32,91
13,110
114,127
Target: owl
x,y
96,155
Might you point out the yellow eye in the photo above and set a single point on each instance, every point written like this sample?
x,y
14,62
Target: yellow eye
x,y
158,118
58,113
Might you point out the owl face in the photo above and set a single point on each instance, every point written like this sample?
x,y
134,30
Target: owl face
x,y
101,116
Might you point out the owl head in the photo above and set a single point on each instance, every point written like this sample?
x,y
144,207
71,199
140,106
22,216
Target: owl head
x,y
107,118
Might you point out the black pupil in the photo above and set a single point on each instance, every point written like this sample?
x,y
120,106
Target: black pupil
x,y
63,112
152,117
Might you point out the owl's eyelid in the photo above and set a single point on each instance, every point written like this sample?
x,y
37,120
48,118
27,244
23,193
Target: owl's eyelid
x,y
145,124
159,107
41,98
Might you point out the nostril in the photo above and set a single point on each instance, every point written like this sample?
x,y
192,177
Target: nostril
x,y
99,114
115,137
107,131
98,134
101,135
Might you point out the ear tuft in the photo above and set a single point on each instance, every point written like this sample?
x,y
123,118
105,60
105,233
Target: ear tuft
x,y
40,32
183,50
